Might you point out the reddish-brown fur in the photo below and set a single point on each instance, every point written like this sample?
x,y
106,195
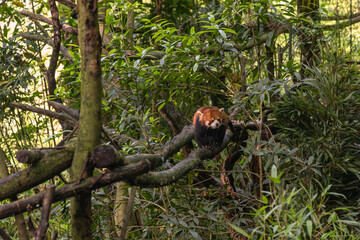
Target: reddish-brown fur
x,y
210,114
210,126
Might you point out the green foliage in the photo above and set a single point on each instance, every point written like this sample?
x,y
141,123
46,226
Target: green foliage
x,y
321,118
310,167
282,217
175,215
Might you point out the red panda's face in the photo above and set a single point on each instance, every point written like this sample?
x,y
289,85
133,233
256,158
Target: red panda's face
x,y
213,123
211,117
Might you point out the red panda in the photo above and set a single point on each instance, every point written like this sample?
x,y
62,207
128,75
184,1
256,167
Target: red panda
x,y
210,126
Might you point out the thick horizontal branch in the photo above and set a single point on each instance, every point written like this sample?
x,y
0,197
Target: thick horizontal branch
x,y
167,150
167,177
29,157
41,18
72,189
52,164
106,156
56,161
60,116
142,164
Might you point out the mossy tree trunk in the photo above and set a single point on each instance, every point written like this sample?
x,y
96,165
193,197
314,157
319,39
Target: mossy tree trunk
x,y
309,40
90,113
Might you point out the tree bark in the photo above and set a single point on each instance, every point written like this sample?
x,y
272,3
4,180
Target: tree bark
x,y
90,114
309,47
72,189
52,164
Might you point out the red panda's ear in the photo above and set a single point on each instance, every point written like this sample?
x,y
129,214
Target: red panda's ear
x,y
200,114
221,110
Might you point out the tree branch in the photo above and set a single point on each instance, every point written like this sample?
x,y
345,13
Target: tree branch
x,y
68,3
342,17
41,18
56,161
46,205
53,163
48,41
62,108
167,177
343,24
55,50
72,189
60,116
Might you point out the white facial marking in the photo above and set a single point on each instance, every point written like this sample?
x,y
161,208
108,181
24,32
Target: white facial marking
x,y
215,124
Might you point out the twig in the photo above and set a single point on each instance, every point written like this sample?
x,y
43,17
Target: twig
x,y
67,137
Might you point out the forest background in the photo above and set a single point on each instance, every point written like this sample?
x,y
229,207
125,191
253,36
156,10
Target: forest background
x,y
129,75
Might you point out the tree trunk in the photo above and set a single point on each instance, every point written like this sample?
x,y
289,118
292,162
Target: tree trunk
x,y
90,114
308,46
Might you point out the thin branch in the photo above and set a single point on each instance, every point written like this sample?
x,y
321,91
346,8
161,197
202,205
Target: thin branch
x,y
60,116
343,24
68,3
42,29
340,17
41,18
55,50
62,108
